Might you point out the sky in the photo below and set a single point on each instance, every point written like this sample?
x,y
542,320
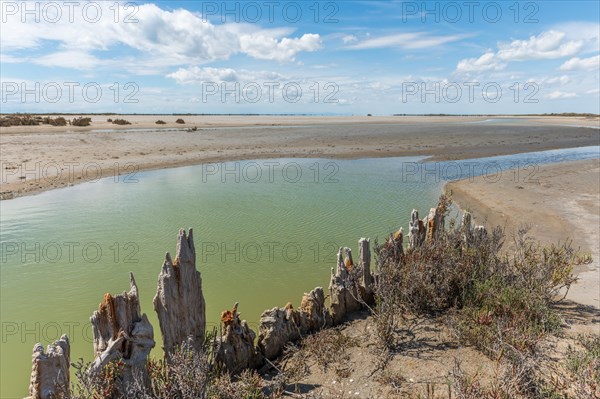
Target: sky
x,y
300,57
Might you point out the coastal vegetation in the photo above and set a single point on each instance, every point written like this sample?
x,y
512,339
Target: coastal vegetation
x,y
31,120
81,121
496,298
121,122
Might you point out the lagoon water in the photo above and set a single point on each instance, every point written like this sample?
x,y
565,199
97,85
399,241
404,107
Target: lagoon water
x,y
265,232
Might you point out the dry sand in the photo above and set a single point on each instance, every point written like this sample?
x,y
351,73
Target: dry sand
x,y
38,158
559,202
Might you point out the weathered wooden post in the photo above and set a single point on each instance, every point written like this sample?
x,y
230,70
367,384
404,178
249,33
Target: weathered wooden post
x,y
50,370
467,229
364,253
236,349
122,332
416,231
179,301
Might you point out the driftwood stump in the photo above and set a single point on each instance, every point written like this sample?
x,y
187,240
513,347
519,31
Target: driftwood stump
x,y
179,301
122,332
50,370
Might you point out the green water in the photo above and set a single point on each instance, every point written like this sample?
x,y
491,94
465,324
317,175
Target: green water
x,y
260,240
284,234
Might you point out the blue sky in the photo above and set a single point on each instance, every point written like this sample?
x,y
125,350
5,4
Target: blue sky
x,y
348,57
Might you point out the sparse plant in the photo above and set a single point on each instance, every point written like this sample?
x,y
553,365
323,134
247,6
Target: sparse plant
x,y
180,121
160,122
105,384
59,121
583,366
321,345
121,122
20,120
189,373
81,121
499,302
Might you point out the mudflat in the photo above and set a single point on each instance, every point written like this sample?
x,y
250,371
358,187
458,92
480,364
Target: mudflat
x,y
558,202
38,158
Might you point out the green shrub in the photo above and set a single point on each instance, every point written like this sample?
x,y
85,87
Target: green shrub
x,y
60,121
81,121
121,122
20,120
494,299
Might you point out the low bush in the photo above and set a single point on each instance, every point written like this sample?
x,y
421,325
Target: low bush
x,y
180,121
495,298
189,374
81,121
20,120
160,122
326,348
500,302
121,122
59,121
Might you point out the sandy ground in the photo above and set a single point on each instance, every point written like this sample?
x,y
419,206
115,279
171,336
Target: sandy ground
x,y
421,367
38,158
559,202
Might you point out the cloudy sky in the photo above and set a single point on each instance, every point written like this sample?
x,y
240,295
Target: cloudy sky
x,y
346,57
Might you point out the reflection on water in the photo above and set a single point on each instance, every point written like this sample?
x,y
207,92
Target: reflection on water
x,y
524,121
266,231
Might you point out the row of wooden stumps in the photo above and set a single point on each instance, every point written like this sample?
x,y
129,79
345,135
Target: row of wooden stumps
x,y
123,333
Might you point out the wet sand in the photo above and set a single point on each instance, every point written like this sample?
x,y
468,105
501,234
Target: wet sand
x,y
559,202
39,158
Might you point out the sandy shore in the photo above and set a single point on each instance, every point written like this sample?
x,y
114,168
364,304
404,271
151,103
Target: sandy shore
x,y
38,158
560,202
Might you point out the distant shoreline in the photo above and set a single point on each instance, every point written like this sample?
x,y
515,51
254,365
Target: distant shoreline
x,y
551,115
57,156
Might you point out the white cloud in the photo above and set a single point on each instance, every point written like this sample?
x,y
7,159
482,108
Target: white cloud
x,y
588,32
265,47
75,59
197,75
557,80
552,44
487,62
547,45
349,39
9,59
585,64
415,40
556,95
172,37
